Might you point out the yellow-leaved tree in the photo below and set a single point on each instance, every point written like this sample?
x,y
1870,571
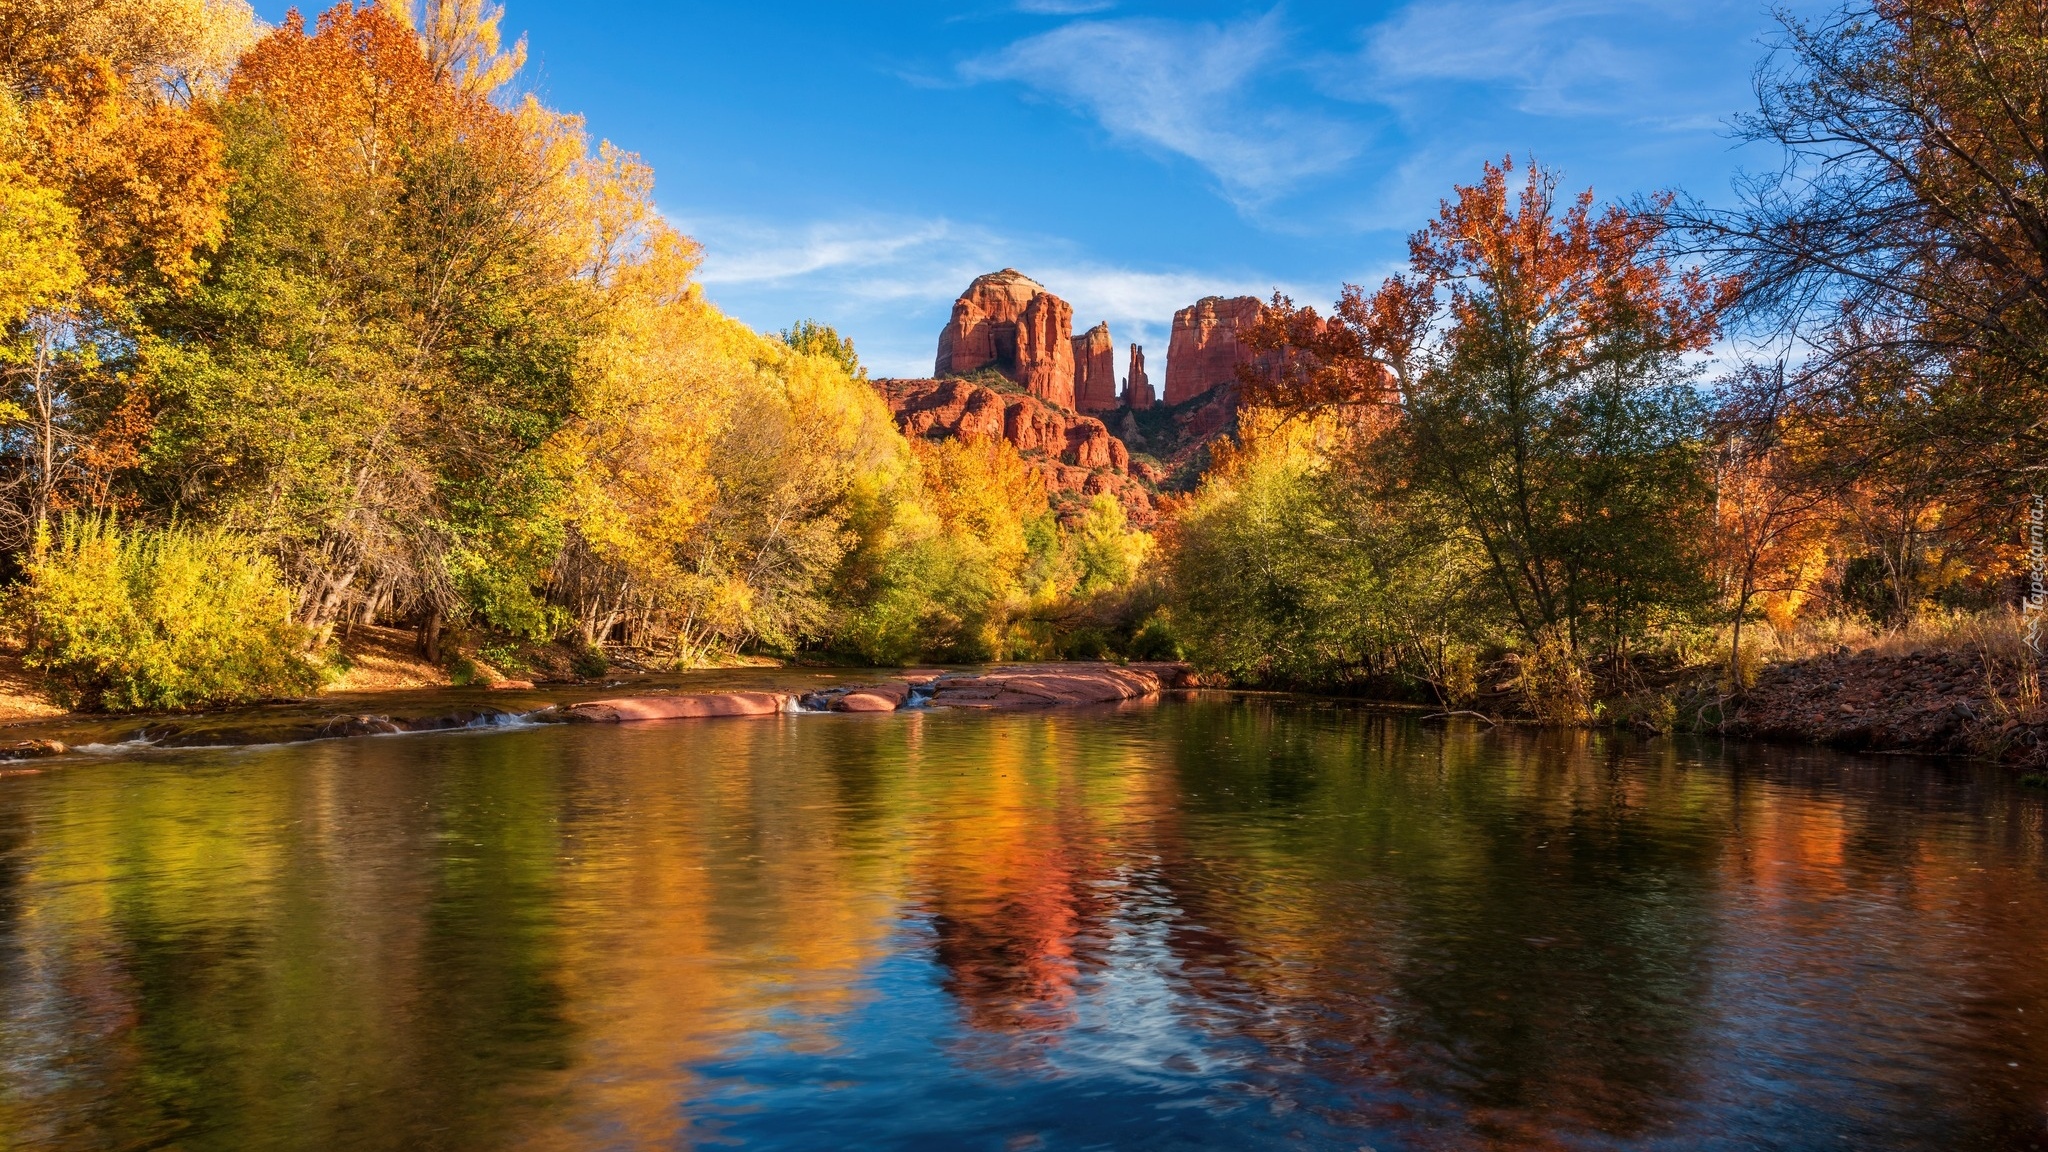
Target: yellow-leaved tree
x,y
716,479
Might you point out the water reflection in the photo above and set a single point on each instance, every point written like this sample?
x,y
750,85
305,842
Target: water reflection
x,y
1222,924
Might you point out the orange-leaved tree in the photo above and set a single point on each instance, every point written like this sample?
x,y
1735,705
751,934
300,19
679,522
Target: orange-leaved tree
x,y
389,333
122,189
1775,507
1537,358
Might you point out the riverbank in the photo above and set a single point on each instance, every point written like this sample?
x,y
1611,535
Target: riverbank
x,y
1951,702
1956,702
710,694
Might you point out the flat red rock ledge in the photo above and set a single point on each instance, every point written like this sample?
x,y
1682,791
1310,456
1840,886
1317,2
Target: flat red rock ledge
x,y
874,698
631,708
1007,689
1055,685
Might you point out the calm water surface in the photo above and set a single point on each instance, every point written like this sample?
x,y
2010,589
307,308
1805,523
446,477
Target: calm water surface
x,y
1224,923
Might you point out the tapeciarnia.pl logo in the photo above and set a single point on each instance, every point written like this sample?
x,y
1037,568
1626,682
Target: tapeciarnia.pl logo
x,y
2037,563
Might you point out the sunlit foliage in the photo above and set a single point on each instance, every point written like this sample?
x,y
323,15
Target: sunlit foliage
x,y
336,290
160,619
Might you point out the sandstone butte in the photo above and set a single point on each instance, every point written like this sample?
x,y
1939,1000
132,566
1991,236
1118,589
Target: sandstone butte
x,y
1204,351
1138,386
1095,370
1070,452
1008,321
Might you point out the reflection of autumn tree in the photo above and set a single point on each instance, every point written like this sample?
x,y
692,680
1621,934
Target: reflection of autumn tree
x,y
553,940
1806,858
1469,931
1014,877
734,904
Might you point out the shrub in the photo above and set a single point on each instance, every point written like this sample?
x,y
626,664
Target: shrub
x,y
1155,641
1557,683
161,620
590,663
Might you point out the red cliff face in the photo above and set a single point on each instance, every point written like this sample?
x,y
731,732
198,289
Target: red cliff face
x,y
1072,453
1205,350
1008,321
1138,386
1095,370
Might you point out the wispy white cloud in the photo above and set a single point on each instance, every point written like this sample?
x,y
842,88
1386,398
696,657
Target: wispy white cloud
x,y
1572,58
1186,88
1064,7
890,282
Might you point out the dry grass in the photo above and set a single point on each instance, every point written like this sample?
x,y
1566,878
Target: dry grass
x,y
1557,684
386,660
21,692
1998,635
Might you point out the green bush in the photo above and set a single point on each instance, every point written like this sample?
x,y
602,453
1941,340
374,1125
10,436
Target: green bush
x,y
161,620
1155,641
590,663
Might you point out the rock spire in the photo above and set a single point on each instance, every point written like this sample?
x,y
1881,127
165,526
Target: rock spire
x,y
1008,321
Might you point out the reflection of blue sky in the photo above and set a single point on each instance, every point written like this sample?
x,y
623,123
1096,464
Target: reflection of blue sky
x,y
1128,1071
860,162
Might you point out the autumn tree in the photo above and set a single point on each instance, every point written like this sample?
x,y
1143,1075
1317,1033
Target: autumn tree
x,y
1535,358
389,334
1775,507
465,45
814,339
1907,226
120,188
339,299
178,48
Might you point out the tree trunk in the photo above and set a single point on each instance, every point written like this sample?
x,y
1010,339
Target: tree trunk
x,y
430,636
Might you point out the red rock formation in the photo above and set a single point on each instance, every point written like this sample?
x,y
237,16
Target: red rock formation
x,y
626,709
1138,386
1053,685
1072,453
1095,370
1008,321
1205,350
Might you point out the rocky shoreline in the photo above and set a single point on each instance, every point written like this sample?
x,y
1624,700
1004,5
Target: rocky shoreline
x,y
1007,689
1946,703
1952,702
1003,690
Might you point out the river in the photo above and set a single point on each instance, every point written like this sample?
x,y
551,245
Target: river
x,y
1222,922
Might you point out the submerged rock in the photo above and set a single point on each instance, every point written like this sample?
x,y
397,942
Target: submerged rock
x,y
32,750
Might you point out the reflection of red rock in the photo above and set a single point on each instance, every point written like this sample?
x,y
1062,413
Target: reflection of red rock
x,y
1205,350
1095,370
1008,321
1138,386
1072,453
1010,955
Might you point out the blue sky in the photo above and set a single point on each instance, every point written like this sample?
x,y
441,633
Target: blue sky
x,y
860,163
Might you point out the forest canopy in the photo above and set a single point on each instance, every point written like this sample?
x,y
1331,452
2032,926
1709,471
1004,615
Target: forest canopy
x,y
339,306
336,294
